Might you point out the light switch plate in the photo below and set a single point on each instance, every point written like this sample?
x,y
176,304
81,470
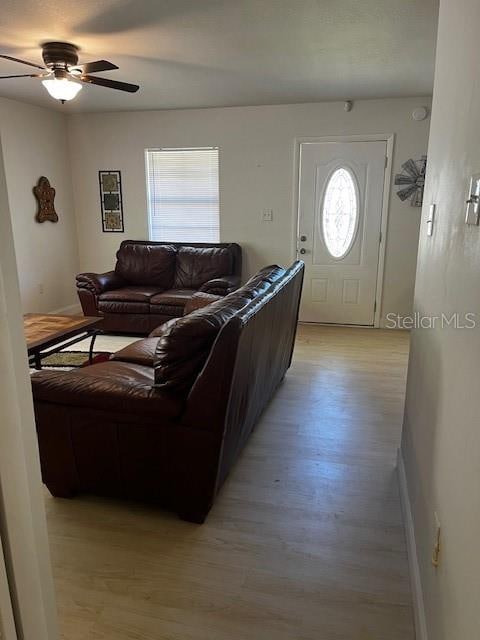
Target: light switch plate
x,y
472,214
430,219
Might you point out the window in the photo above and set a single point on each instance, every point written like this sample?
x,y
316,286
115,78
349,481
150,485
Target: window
x,y
340,213
182,190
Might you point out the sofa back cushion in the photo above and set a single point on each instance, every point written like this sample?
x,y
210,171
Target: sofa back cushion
x,y
269,274
184,343
147,264
197,265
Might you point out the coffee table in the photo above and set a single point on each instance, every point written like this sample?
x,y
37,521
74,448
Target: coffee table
x,y
48,333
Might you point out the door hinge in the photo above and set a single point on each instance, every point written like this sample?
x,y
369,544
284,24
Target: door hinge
x,y
380,238
374,306
386,162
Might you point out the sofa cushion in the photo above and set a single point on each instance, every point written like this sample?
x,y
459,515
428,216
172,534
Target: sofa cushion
x,y
140,352
199,300
185,343
146,264
196,265
122,306
111,386
169,310
173,297
132,293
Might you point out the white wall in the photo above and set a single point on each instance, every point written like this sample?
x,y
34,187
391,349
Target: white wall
x,y
256,172
23,528
34,144
441,439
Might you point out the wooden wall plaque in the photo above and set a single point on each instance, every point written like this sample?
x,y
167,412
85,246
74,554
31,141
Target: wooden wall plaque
x,y
45,195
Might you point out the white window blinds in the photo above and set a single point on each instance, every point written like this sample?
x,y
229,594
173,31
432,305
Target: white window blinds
x,y
182,189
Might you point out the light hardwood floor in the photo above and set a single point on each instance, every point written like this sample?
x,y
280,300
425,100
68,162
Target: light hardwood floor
x,y
305,541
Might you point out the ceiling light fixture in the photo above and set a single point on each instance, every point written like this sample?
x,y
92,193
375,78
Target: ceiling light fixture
x,y
61,74
61,87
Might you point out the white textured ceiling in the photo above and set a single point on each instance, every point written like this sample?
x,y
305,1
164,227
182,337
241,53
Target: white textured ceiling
x,y
203,53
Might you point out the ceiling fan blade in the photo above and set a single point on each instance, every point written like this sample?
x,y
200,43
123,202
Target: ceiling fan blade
x,y
94,67
30,64
111,84
25,75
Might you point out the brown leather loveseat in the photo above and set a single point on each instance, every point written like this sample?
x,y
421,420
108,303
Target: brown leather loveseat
x,y
166,418
152,282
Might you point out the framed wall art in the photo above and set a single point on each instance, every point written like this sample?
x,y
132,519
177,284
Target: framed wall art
x,y
111,201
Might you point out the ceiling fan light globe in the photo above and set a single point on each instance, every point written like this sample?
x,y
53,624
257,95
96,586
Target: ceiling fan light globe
x,y
61,88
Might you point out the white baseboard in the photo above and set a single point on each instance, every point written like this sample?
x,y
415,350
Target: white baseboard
x,y
72,309
416,583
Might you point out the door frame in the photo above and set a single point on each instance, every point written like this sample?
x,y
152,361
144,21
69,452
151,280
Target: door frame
x,y
389,139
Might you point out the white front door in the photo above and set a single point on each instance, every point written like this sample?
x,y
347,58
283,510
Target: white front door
x,y
339,223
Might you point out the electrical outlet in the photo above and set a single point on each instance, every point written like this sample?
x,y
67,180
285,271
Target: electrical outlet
x,y
40,289
436,542
267,215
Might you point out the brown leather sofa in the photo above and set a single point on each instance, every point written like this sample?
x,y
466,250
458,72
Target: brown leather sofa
x,y
152,282
166,418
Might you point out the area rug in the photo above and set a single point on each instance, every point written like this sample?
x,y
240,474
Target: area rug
x,y
73,359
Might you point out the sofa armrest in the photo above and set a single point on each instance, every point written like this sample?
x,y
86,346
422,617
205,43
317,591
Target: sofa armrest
x,y
221,286
199,300
99,282
140,352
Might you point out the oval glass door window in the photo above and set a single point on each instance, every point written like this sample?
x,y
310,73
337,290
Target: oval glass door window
x,y
340,213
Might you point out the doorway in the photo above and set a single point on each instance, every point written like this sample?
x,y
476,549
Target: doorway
x,y
343,188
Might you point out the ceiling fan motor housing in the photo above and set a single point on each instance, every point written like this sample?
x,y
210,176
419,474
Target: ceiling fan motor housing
x,y
59,54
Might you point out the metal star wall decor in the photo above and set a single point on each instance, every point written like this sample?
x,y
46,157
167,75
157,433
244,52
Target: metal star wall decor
x,y
412,181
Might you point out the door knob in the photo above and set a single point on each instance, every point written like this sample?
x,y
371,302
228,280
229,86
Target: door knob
x,y
303,238
302,251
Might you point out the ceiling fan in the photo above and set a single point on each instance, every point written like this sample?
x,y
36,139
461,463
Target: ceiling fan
x,y
63,75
